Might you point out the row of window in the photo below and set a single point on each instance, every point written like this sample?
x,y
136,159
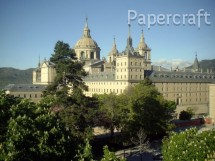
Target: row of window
x,y
186,94
105,90
131,77
131,63
83,55
196,100
106,83
132,70
185,76
194,85
28,95
183,89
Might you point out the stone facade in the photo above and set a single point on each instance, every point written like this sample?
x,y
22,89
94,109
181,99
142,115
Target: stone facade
x,y
44,73
212,101
188,88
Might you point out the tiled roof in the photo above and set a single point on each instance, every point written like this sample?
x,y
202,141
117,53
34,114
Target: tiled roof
x,y
172,76
103,76
25,87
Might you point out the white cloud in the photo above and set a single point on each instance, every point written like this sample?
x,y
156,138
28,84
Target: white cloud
x,y
172,63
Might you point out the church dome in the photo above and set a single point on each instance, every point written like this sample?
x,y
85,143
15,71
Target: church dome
x,y
86,42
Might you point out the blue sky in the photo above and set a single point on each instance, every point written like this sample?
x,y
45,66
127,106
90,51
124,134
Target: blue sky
x,y
29,29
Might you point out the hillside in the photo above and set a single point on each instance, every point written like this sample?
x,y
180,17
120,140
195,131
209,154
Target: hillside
x,y
15,76
206,64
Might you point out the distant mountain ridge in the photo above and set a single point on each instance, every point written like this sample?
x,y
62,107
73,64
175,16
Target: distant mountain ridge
x,y
10,75
205,64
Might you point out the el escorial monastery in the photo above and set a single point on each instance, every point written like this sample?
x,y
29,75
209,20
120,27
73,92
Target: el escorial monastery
x,y
187,87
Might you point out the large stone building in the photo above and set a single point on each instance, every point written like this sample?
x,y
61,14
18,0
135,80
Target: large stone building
x,y
187,87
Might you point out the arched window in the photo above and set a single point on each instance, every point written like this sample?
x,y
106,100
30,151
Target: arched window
x,y
91,55
146,55
82,55
110,59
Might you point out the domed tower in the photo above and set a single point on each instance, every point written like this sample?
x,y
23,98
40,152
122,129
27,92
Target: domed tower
x,y
86,48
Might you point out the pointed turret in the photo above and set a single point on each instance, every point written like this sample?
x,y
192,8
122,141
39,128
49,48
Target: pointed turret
x,y
113,53
143,49
114,50
142,44
196,66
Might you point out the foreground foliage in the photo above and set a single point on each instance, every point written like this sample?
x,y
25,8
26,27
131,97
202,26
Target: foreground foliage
x,y
189,145
35,133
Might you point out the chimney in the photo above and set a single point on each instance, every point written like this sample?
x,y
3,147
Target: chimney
x,y
159,69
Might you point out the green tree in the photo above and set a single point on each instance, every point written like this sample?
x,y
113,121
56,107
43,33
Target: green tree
x,y
189,145
66,92
69,74
113,111
85,152
110,156
6,103
36,133
79,121
186,115
150,110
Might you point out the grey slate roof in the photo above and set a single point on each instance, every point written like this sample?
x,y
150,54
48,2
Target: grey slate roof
x,y
183,77
25,87
103,76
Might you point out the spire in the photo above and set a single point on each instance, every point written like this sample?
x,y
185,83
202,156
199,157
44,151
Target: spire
x,y
86,22
142,36
86,29
142,44
129,40
114,50
129,50
114,42
39,62
196,66
129,30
